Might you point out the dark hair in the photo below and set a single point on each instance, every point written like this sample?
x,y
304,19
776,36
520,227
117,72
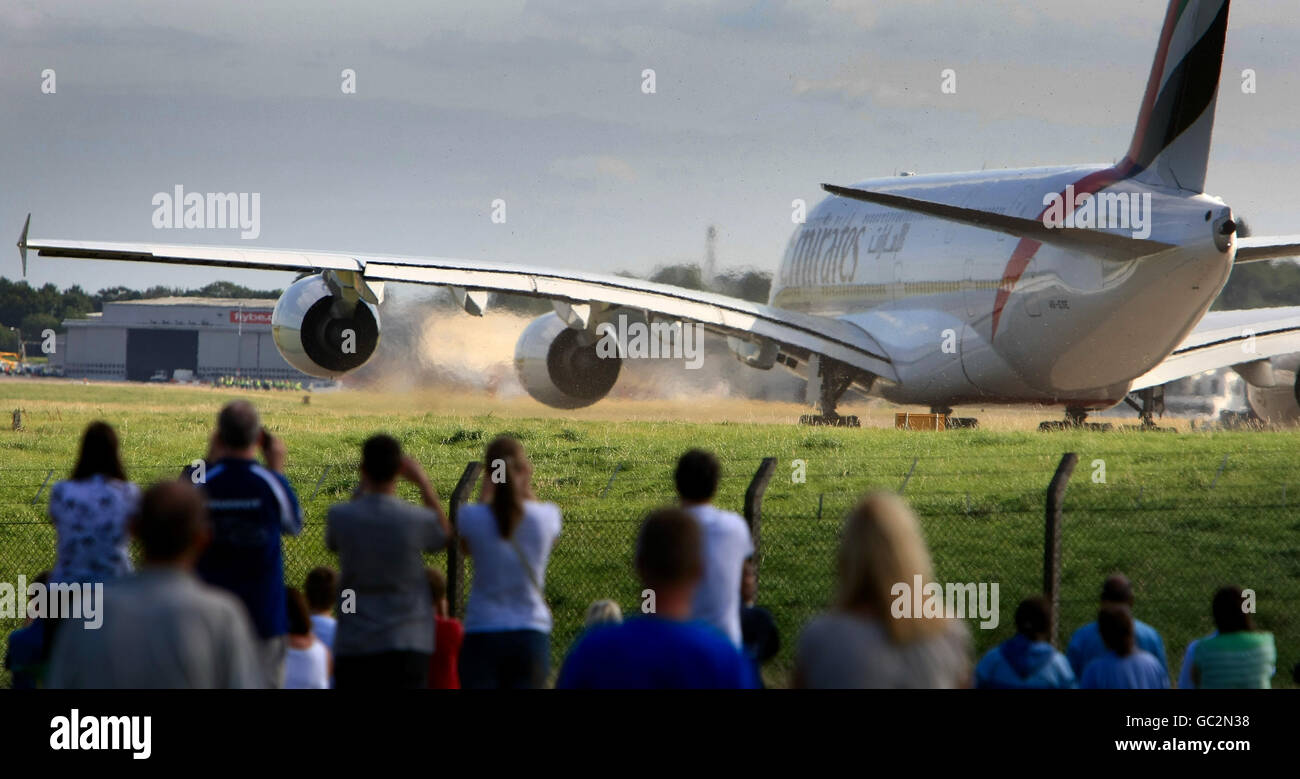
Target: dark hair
x,y
437,585
1033,616
507,497
1115,624
99,454
381,457
668,548
1229,616
171,519
299,616
321,587
238,425
697,475
1117,589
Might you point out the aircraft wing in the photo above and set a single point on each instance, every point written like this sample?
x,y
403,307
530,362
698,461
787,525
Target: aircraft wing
x,y
1257,249
798,335
1226,338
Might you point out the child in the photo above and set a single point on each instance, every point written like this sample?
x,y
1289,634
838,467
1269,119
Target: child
x,y
321,588
448,633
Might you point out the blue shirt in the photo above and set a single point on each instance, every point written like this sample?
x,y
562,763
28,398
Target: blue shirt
x,y
1086,645
250,506
653,653
1139,670
1021,664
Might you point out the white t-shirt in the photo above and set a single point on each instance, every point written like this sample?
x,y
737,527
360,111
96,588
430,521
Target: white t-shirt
x,y
501,596
727,544
307,669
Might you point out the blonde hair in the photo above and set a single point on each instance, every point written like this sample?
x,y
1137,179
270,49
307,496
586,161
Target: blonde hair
x,y
881,546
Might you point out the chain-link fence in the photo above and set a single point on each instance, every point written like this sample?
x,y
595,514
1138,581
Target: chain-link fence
x,y
1177,537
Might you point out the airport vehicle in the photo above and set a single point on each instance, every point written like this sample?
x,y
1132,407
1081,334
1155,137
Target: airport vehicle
x,y
1077,286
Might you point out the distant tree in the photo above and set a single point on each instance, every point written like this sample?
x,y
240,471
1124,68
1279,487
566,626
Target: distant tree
x,y
1261,284
35,324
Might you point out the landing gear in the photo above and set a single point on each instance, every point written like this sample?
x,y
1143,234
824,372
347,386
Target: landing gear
x,y
1150,404
955,423
1075,419
834,379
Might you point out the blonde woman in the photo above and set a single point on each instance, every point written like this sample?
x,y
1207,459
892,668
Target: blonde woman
x,y
859,644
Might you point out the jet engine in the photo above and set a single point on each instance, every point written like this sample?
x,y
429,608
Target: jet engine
x,y
559,366
320,332
1273,389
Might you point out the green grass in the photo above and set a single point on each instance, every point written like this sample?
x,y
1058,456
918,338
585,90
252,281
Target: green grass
x,y
1165,514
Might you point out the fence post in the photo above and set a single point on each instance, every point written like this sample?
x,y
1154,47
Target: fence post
x,y
455,560
754,500
1052,540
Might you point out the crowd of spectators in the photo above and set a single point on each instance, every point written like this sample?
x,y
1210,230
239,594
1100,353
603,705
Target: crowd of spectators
x,y
208,606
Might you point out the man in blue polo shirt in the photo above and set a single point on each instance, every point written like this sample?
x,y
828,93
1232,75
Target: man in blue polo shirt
x,y
250,506
1087,645
664,650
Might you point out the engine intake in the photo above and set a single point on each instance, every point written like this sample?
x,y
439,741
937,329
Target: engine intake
x,y
314,338
559,366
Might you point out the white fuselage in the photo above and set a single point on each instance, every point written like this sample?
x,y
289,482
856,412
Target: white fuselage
x,y
971,315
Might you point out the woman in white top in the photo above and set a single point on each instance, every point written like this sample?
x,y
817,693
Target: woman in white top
x,y
509,534
862,643
308,664
91,511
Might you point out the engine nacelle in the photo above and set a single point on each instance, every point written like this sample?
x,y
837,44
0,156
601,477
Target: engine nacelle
x,y
1280,403
558,365
312,336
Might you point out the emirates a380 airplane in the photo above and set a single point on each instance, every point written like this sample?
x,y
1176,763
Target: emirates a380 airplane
x,y
1079,286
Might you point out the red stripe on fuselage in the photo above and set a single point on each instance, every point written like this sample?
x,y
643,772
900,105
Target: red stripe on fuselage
x,y
1027,247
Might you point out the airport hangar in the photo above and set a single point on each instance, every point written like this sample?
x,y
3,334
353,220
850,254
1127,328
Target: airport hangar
x,y
134,340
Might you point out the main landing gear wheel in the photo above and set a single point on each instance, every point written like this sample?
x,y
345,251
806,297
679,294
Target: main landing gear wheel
x,y
955,423
1075,419
836,377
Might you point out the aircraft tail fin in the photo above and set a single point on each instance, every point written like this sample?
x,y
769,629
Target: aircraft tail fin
x,y
1171,143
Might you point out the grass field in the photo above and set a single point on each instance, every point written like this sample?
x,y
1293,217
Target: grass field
x,y
1172,512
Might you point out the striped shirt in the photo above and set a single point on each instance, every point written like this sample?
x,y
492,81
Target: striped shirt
x,y
1241,660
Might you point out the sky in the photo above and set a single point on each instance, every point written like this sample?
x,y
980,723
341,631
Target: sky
x,y
541,105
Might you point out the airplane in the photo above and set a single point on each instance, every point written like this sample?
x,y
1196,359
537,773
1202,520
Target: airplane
x,y
1030,286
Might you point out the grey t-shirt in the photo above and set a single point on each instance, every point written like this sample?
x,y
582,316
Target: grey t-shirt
x,y
162,629
379,540
838,651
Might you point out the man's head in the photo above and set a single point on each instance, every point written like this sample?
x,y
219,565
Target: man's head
x,y
1115,624
1033,618
1229,616
1117,589
381,459
321,587
669,559
697,476
238,426
172,524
